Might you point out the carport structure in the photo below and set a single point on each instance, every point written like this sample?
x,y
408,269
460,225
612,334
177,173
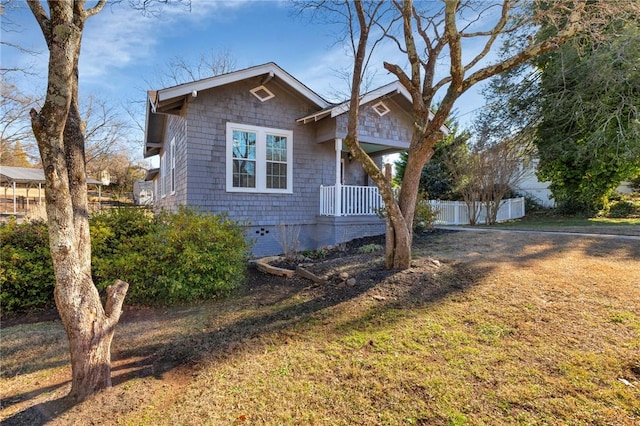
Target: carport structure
x,y
11,178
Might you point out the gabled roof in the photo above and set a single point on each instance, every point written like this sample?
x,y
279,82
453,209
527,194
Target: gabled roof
x,y
171,100
269,70
341,108
391,89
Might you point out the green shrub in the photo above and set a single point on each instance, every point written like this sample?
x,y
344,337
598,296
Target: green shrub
x,y
120,239
184,256
168,258
533,204
203,255
623,209
424,215
370,248
26,270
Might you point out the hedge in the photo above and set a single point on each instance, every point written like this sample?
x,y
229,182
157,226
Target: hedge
x,y
166,258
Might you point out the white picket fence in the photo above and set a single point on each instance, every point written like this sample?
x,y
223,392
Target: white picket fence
x,y
457,212
352,200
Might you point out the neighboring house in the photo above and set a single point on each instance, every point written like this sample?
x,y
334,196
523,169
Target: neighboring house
x,y
530,186
20,180
142,193
262,147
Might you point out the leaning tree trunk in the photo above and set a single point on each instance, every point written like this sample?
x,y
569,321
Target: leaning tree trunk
x,y
59,133
399,233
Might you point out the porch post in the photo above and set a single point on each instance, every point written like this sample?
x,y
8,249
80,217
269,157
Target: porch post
x,y
338,193
13,184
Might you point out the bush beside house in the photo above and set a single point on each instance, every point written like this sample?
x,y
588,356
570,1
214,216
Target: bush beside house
x,y
26,269
168,258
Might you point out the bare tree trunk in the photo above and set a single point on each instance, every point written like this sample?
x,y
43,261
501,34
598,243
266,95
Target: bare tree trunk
x,y
390,239
398,236
58,130
90,330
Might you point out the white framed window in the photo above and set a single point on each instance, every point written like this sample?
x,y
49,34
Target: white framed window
x,y
172,161
163,175
259,159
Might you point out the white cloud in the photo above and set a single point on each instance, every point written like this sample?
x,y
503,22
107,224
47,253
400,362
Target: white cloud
x,y
114,39
120,36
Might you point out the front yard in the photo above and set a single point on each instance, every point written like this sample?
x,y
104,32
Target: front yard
x,y
485,328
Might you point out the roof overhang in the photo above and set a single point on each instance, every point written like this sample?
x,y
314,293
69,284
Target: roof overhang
x,y
174,100
154,132
378,150
151,174
388,90
21,175
172,97
27,175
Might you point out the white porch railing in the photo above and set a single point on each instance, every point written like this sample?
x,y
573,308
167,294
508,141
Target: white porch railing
x,y
351,200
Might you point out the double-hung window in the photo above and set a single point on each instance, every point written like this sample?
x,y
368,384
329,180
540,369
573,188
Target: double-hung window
x,y
163,175
259,159
173,166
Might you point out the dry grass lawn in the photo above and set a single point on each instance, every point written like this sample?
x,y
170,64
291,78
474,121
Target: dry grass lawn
x,y
485,329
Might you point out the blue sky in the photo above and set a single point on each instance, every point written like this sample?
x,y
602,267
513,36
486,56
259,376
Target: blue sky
x,y
123,51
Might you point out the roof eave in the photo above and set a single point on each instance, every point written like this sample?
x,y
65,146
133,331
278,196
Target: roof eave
x,y
270,69
394,87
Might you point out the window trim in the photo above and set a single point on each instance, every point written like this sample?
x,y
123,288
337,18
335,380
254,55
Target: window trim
x,y
163,172
172,171
261,158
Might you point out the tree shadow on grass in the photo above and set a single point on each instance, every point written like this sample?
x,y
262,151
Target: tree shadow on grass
x,y
285,304
276,305
43,412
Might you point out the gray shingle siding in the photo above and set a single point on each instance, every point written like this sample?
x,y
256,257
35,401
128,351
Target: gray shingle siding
x,y
201,151
176,128
206,184
395,126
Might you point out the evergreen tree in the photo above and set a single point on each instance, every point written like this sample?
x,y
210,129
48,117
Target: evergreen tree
x,y
436,179
588,139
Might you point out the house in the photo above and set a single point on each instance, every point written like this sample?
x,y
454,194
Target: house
x,y
530,186
21,180
262,147
142,192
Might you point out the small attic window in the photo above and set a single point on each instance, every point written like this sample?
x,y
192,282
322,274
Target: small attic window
x,y
381,108
262,93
